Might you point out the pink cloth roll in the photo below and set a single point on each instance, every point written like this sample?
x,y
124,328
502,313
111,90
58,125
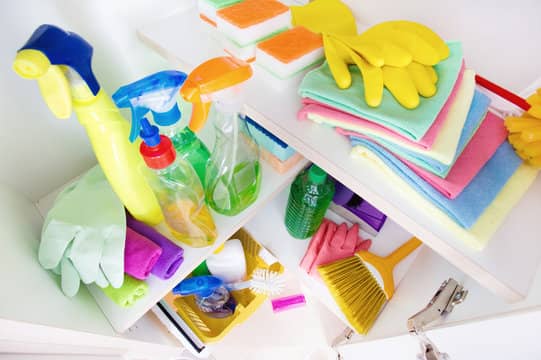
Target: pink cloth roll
x,y
140,255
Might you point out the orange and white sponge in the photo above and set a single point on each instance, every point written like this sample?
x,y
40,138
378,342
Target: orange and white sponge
x,y
251,21
208,9
290,52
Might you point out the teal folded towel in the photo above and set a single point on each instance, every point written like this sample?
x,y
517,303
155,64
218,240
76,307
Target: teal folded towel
x,y
476,114
467,207
319,85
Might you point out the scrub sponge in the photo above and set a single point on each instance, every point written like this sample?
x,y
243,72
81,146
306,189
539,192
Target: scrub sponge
x,y
208,9
251,21
290,52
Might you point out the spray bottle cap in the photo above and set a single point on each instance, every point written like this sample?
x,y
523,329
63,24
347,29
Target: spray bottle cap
x,y
41,58
156,93
210,77
203,286
157,150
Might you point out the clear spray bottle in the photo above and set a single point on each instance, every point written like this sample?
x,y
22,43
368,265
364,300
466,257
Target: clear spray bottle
x,y
233,174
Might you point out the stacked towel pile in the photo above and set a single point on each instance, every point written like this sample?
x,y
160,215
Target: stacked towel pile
x,y
450,149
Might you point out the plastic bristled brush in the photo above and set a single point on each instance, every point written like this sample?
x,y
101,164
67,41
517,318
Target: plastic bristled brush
x,y
362,284
262,281
524,130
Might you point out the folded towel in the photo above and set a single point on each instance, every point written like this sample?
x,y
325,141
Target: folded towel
x,y
487,224
140,255
319,85
474,117
438,142
480,149
466,208
130,291
172,255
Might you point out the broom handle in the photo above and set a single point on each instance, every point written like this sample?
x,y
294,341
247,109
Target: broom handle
x,y
504,93
399,254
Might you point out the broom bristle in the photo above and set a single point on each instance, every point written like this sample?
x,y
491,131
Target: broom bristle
x,y
355,290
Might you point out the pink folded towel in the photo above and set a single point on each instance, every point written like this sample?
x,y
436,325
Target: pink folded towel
x,y
140,255
490,135
356,123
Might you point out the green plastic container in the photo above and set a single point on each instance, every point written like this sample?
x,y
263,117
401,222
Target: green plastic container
x,y
190,148
310,196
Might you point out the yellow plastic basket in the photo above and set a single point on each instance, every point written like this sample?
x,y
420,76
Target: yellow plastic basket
x,y
210,329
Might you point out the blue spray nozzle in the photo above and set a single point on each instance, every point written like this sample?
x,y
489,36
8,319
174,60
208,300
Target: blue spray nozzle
x,y
149,133
65,48
156,93
203,286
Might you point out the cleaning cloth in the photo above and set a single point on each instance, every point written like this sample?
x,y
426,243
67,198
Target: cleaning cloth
x,y
480,149
413,124
488,223
438,142
140,255
475,116
130,291
172,255
466,208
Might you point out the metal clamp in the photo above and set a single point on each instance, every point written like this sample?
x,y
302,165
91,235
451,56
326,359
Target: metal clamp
x,y
450,294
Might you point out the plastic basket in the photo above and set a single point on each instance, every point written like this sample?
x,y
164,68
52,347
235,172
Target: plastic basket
x,y
210,329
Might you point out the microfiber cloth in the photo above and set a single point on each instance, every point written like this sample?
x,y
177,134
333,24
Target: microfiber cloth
x,y
488,223
474,117
140,255
172,255
130,291
466,208
437,142
480,149
413,124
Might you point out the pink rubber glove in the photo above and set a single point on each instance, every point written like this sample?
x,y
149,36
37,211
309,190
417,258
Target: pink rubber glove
x,y
314,246
335,247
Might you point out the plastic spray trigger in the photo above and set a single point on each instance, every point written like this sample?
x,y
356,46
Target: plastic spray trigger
x,y
156,93
149,133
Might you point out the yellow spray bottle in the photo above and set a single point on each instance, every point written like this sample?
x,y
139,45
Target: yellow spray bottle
x,y
61,63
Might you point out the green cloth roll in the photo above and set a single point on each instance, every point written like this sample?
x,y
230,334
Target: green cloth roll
x,y
128,294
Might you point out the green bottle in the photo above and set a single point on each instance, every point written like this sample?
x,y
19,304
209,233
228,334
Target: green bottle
x,y
310,196
186,143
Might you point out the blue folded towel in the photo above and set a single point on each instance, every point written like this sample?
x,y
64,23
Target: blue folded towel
x,y
476,114
466,208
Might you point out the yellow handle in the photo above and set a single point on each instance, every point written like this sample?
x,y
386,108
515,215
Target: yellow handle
x,y
385,265
403,251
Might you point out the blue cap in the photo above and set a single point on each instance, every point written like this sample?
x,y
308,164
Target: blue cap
x,y
167,118
156,92
65,48
203,286
149,133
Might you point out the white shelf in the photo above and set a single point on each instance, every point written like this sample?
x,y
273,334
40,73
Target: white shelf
x,y
506,266
269,230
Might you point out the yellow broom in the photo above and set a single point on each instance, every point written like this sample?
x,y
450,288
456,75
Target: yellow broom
x,y
360,292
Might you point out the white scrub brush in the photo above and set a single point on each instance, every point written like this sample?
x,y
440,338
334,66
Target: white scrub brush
x,y
263,281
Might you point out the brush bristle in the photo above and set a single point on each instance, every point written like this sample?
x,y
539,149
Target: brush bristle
x,y
267,282
355,290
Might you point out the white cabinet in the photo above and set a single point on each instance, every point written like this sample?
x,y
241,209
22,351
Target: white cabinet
x,y
497,42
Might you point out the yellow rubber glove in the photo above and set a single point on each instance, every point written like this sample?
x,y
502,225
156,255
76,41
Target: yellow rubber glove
x,y
525,132
405,83
325,16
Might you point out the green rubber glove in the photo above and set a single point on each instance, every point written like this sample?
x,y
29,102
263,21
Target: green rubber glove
x,y
84,233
